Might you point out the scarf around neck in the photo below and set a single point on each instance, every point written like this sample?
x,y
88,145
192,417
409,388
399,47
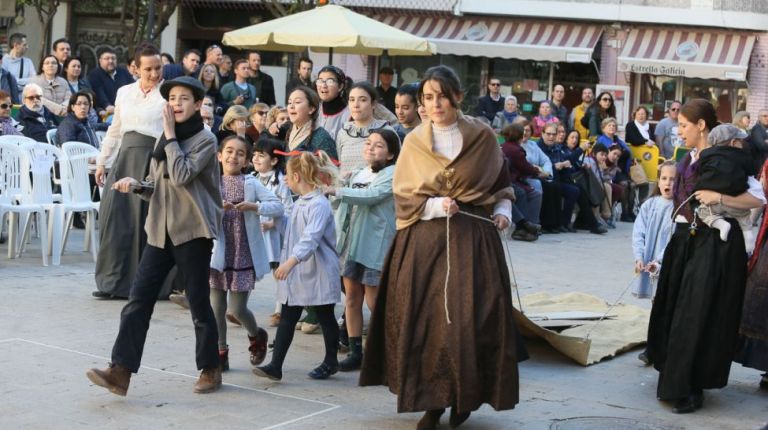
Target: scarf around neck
x,y
334,106
184,130
643,129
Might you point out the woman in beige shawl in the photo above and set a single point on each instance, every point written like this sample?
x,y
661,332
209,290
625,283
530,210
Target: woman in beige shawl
x,y
440,344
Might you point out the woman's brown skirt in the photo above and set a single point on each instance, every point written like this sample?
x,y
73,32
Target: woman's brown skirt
x,y
428,363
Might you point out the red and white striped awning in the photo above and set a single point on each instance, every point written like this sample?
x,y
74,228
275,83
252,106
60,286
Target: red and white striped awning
x,y
523,39
707,54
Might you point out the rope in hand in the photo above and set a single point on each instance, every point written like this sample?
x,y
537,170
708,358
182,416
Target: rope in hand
x,y
448,257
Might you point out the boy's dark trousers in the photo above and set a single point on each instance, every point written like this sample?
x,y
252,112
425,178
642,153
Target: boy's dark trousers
x,y
193,259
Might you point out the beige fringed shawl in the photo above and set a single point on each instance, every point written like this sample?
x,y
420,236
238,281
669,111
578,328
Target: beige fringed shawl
x,y
477,176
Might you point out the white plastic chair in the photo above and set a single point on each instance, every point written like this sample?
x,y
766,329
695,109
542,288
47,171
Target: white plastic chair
x,y
12,175
17,140
37,198
76,191
50,136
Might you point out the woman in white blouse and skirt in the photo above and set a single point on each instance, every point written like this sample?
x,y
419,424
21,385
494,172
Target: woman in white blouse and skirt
x,y
126,151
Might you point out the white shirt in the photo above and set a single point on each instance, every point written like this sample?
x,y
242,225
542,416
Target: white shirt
x,y
448,143
134,111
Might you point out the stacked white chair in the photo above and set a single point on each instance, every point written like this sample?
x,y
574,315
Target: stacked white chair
x,y
10,185
76,165
35,161
50,135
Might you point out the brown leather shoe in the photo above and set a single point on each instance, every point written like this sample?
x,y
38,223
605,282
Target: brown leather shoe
x,y
209,381
114,378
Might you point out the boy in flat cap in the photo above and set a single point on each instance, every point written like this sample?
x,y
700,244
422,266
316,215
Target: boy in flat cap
x,y
185,210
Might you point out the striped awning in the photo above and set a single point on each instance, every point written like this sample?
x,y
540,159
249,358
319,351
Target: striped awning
x,y
503,38
707,54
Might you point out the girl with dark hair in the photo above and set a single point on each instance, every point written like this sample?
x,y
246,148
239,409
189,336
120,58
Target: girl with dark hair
x,y
333,113
365,219
305,134
239,257
406,110
450,185
603,108
353,134
269,167
693,330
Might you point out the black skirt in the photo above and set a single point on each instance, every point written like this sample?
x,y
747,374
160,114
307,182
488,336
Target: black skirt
x,y
693,330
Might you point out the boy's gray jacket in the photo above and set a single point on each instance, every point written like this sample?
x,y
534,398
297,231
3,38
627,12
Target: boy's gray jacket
x,y
186,200
269,206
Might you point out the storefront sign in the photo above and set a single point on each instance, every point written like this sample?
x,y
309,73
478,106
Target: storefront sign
x,y
687,50
476,32
669,70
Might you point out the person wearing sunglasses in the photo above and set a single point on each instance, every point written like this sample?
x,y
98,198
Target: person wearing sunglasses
x,y
258,116
8,125
492,103
34,118
602,109
666,131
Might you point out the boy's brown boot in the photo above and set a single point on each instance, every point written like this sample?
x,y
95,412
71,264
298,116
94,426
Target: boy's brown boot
x,y
209,381
115,378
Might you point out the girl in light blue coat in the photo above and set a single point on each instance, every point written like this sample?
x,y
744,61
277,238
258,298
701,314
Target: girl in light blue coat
x,y
308,274
366,222
269,167
239,256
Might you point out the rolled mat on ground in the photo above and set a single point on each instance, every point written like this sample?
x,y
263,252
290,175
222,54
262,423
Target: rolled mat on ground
x,y
624,328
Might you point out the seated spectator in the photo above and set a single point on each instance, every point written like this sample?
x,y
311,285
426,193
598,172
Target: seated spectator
x,y
507,115
73,74
75,127
543,118
598,163
239,92
217,113
34,118
225,70
8,125
190,66
133,69
56,92
560,136
208,118
106,79
638,132
620,155
565,162
235,122
527,205
258,118
406,109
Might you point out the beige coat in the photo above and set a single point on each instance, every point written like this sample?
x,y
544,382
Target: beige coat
x,y
55,94
186,199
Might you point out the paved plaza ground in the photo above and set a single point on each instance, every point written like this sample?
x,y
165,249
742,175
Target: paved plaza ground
x,y
52,331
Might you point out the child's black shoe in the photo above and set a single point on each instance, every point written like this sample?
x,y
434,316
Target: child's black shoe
x,y
268,371
324,371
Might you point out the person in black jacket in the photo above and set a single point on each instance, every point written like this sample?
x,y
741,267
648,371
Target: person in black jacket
x,y
303,76
638,132
75,126
190,66
106,79
265,86
493,102
35,119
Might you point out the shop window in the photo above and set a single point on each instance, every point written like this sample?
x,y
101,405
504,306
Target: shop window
x,y
728,97
525,79
657,93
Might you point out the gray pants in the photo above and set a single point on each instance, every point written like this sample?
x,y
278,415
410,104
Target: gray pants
x,y
238,305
